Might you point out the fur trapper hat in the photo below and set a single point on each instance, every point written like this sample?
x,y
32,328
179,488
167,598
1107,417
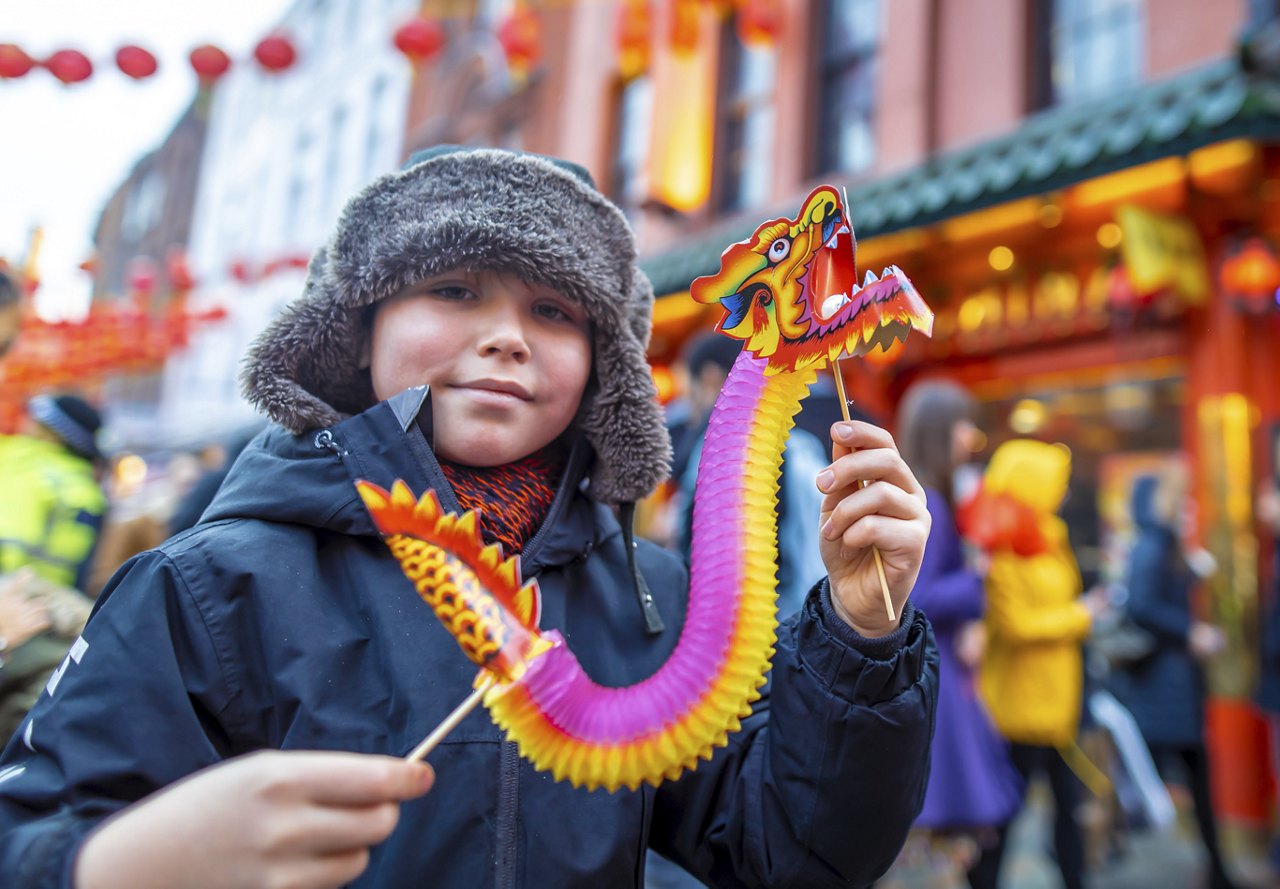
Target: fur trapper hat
x,y
475,209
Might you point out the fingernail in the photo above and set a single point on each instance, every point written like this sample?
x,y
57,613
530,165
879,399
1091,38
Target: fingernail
x,y
844,432
825,479
826,530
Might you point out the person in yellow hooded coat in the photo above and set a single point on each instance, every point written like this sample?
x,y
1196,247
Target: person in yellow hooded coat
x,y
1036,619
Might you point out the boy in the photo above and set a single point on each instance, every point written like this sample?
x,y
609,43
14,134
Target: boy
x,y
477,326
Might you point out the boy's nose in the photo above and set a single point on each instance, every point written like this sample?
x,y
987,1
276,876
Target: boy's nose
x,y
504,334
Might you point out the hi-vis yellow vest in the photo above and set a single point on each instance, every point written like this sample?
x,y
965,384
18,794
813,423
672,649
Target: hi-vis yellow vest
x,y
51,509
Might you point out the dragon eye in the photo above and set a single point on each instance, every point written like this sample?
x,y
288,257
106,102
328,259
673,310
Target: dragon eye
x,y
779,249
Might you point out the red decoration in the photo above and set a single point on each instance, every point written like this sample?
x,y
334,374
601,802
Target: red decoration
x,y
13,61
241,271
419,39
209,62
180,277
1252,276
520,35
136,62
994,522
760,22
683,34
141,276
634,34
69,66
114,338
275,53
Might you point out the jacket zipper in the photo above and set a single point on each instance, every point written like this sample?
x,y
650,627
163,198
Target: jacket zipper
x,y
504,865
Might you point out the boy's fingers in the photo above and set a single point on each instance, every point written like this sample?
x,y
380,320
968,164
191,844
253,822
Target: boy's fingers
x,y
877,499
857,435
352,779
326,830
881,464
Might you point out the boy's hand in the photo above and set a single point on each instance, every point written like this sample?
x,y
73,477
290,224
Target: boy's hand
x,y
267,819
890,514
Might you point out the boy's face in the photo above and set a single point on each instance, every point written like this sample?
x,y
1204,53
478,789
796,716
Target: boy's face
x,y
507,362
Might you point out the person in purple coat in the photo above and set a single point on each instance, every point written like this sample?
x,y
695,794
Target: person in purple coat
x,y
973,788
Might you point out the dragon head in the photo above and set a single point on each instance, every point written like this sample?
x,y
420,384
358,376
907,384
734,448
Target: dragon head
x,y
790,292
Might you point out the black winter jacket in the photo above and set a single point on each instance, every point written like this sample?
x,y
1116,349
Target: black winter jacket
x,y
282,621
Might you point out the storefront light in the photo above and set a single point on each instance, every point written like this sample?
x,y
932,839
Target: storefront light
x,y
1027,416
1109,235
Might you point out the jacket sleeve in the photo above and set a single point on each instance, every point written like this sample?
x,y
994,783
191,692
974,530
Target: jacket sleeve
x,y
136,705
1011,616
826,776
948,596
1151,604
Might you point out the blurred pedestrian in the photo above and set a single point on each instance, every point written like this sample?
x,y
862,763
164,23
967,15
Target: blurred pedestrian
x,y
51,513
973,789
1033,672
1165,689
1268,697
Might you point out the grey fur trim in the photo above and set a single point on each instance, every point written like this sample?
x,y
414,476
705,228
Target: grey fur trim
x,y
482,209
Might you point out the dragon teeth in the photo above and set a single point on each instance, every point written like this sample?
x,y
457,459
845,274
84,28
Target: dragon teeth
x,y
833,304
870,278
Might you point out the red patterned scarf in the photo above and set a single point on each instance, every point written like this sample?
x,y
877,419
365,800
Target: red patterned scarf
x,y
513,498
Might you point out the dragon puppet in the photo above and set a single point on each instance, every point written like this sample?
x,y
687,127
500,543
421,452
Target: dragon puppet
x,y
790,293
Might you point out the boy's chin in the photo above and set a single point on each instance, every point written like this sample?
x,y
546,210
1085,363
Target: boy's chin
x,y
485,454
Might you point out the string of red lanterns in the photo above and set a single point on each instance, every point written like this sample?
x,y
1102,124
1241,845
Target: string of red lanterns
x,y
420,39
114,338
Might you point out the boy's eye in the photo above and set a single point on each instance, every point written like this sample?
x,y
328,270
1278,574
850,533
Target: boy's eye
x,y
452,292
554,312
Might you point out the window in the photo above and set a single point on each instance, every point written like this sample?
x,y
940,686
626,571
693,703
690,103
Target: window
x,y
1095,46
747,79
332,184
373,135
847,85
296,197
631,143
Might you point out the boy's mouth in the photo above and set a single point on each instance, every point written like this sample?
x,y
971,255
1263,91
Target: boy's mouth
x,y
507,388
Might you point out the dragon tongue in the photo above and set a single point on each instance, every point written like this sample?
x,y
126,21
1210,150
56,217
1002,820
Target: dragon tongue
x,y
832,275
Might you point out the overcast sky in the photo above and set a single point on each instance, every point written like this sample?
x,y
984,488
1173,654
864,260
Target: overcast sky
x,y
65,149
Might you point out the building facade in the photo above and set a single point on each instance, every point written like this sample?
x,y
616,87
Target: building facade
x,y
1072,185
284,152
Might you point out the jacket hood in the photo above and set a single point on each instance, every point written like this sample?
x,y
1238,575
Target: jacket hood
x,y
1143,504
1032,472
475,209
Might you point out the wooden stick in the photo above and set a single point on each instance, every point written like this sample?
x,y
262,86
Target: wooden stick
x,y
844,409
451,721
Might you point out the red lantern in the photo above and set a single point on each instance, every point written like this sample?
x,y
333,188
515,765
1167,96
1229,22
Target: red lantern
x,y
209,62
69,66
1252,276
684,26
180,277
634,33
275,53
136,62
521,38
13,61
141,276
760,22
419,39
241,272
